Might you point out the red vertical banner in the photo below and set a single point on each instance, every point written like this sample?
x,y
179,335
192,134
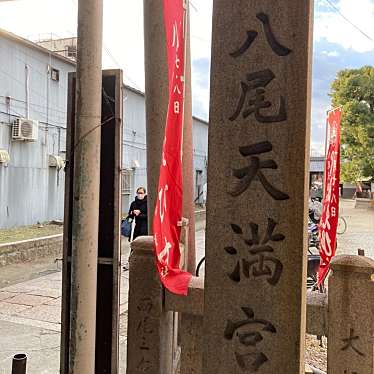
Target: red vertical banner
x,y
330,204
168,212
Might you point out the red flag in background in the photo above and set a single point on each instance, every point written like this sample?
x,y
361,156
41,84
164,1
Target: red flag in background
x,y
330,204
168,212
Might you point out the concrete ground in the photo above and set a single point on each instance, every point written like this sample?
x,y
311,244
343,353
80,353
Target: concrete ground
x,y
360,230
30,313
30,308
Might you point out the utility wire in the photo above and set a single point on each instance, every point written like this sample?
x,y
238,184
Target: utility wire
x,y
350,22
106,49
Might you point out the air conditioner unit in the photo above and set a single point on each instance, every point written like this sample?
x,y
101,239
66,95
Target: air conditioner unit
x,y
25,129
135,164
4,157
55,161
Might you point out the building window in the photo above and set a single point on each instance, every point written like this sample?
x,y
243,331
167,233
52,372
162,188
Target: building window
x,y
127,181
55,75
127,189
72,50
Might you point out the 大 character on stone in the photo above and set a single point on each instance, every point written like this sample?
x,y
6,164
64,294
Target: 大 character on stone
x,y
248,335
349,342
262,263
144,365
257,81
247,174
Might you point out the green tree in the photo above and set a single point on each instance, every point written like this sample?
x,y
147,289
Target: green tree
x,y
353,89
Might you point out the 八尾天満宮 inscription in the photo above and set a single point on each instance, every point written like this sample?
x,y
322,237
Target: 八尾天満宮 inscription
x,y
248,331
263,264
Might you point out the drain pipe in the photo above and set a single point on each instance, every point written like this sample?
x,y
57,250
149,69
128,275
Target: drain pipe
x,y
19,363
27,90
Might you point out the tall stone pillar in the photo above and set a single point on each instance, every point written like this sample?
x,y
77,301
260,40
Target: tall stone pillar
x,y
149,346
187,159
255,284
156,88
156,98
351,316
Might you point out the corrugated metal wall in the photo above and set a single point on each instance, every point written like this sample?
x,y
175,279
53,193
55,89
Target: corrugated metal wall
x,y
32,192
134,145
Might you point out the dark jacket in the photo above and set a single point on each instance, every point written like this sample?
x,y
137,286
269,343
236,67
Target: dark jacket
x,y
141,222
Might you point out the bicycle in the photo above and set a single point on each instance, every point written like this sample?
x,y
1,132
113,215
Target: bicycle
x,y
342,226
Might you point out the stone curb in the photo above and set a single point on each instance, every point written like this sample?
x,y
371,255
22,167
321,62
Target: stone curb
x,y
31,249
28,250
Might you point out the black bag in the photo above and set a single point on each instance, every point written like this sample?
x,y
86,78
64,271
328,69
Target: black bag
x,y
126,227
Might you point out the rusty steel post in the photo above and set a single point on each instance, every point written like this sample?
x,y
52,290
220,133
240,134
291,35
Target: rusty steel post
x,y
86,188
19,363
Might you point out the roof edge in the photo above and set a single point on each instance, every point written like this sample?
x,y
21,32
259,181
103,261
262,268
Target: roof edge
x,y
29,43
141,93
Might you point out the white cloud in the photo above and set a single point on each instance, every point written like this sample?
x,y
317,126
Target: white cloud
x,y
122,24
330,25
39,17
317,148
331,53
201,28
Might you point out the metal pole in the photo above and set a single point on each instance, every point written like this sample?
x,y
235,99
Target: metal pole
x,y
86,188
19,363
326,131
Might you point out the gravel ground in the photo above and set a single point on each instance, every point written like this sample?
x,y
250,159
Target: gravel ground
x,y
359,234
315,355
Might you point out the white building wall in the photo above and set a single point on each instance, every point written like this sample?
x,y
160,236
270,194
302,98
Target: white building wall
x,y
134,144
30,191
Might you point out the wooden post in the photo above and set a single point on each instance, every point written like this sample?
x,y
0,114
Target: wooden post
x,y
108,274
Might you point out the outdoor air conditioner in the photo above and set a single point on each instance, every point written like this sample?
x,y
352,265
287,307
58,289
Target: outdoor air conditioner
x,y
25,129
55,161
135,164
4,157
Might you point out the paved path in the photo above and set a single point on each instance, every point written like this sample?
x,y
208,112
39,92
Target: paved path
x,y
30,311
30,314
360,230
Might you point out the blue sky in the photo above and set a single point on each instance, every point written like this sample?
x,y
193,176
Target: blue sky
x,y
337,44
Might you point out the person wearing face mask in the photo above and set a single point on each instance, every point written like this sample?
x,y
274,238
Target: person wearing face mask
x,y
138,210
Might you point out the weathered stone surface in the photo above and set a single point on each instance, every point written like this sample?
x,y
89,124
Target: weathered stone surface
x,y
156,98
31,249
316,314
31,300
150,328
191,331
47,313
11,309
193,303
6,295
351,316
258,154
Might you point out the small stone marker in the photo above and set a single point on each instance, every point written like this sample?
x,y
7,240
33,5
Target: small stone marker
x,y
255,283
149,336
351,316
361,252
